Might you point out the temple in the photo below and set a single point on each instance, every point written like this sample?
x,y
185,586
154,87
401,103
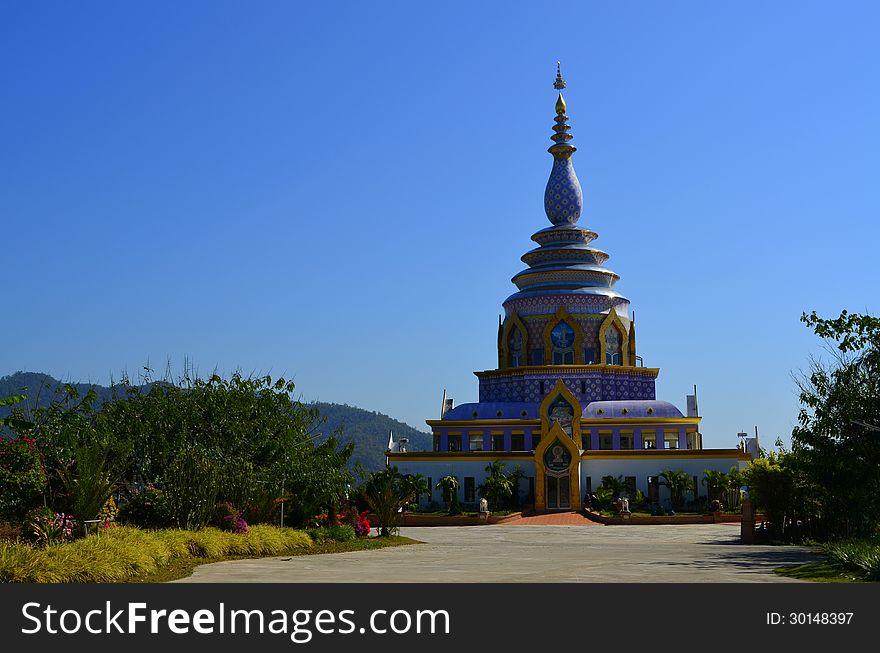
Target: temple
x,y
571,400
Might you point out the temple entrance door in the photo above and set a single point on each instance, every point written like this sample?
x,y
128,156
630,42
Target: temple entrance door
x,y
558,495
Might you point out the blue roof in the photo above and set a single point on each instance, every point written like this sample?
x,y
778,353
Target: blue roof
x,y
494,410
630,409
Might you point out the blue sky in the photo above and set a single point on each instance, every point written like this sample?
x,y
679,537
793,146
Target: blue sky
x,y
340,192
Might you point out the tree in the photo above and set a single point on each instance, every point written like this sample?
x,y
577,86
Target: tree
x,y
448,486
732,489
22,478
498,486
771,489
84,459
715,482
413,486
201,441
387,492
678,482
836,444
14,421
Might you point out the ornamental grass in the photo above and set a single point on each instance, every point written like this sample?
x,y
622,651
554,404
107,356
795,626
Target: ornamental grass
x,y
859,556
120,554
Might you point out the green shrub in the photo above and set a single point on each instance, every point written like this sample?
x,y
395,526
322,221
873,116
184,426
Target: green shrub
x,y
147,509
22,478
342,532
319,534
338,533
193,485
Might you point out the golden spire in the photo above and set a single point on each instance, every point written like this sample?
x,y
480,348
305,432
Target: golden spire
x,y
559,84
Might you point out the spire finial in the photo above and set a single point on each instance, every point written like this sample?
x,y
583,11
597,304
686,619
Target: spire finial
x,y
559,84
563,198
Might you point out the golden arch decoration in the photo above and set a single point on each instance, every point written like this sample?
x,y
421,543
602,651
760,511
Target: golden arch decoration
x,y
613,321
511,323
557,434
563,315
561,390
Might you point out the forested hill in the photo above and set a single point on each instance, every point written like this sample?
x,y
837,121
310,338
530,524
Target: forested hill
x,y
41,389
368,430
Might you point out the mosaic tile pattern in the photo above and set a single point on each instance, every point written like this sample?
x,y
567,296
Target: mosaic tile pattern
x,y
581,303
557,235
598,387
579,255
563,197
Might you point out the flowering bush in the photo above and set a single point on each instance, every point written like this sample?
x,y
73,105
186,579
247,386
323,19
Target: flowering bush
x,y
147,509
229,518
362,525
22,477
48,527
108,514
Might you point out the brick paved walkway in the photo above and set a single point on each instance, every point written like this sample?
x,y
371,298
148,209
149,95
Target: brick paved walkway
x,y
553,519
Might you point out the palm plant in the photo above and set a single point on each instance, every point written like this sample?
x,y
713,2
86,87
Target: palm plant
x,y
498,485
412,487
386,495
87,481
515,477
735,481
448,486
678,482
715,482
616,484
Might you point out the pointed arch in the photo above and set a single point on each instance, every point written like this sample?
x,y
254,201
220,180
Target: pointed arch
x,y
561,390
513,322
562,315
613,321
549,438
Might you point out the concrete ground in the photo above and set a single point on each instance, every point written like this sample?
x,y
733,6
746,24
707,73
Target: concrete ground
x,y
708,553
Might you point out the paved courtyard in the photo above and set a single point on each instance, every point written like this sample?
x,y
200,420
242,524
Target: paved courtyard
x,y
530,554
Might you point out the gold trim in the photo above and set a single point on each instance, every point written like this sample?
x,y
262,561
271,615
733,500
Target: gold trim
x,y
665,453
584,421
560,389
440,456
460,423
510,323
637,421
613,320
556,433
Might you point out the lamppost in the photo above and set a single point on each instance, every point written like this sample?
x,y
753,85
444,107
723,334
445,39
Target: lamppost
x,y
283,478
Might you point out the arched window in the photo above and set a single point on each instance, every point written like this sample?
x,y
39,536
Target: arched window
x,y
613,353
515,347
561,411
562,338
